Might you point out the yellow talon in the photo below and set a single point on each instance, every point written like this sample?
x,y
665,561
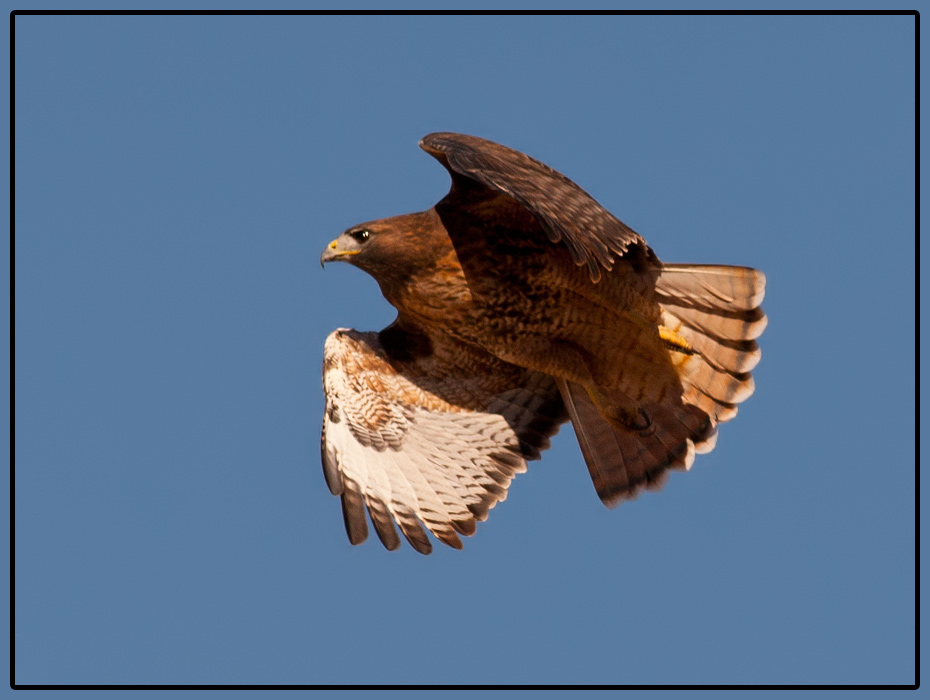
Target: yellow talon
x,y
675,342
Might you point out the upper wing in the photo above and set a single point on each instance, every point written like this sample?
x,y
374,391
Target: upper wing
x,y
432,439
565,211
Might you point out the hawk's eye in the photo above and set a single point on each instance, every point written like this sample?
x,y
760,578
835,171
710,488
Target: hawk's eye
x,y
362,235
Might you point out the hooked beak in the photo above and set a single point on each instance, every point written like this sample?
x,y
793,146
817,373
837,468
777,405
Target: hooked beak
x,y
334,251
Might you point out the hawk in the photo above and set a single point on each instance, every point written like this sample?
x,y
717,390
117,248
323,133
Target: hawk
x,y
522,303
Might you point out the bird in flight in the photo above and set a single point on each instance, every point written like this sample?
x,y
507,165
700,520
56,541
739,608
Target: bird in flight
x,y
522,303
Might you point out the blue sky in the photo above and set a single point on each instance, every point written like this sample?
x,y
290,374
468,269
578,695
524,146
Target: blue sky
x,y
176,180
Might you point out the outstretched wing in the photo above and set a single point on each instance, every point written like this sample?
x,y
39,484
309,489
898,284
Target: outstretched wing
x,y
431,438
566,213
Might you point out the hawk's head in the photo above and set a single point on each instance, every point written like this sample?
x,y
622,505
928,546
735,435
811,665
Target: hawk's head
x,y
391,250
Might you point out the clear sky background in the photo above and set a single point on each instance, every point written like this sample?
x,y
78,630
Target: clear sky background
x,y
176,181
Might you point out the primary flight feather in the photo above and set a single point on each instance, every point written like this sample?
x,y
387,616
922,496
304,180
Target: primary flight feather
x,y
522,303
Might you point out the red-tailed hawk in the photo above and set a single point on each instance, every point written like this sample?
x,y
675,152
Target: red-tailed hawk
x,y
522,303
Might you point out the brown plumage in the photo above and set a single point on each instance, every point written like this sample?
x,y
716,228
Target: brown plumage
x,y
522,303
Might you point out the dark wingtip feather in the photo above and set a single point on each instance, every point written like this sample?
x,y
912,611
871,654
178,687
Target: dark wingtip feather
x,y
353,515
384,524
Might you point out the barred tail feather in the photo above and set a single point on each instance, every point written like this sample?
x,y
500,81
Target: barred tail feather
x,y
715,308
726,287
